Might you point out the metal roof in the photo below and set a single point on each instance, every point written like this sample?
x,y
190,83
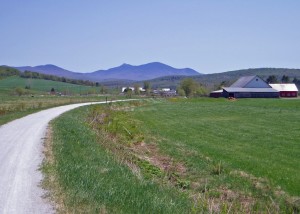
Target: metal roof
x,y
242,82
284,87
256,90
218,91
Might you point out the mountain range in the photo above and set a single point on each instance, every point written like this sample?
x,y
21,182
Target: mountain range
x,y
123,72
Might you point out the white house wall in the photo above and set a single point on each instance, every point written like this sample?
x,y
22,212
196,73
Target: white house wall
x,y
257,83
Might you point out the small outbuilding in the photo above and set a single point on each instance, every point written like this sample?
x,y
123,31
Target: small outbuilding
x,y
286,89
132,89
216,94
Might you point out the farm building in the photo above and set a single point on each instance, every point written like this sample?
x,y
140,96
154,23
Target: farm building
x,y
131,88
165,92
286,90
250,92
248,87
216,94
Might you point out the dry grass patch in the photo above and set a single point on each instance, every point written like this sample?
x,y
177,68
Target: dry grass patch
x,y
125,140
151,153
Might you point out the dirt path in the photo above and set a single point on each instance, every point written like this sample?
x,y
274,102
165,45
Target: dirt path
x,y
21,145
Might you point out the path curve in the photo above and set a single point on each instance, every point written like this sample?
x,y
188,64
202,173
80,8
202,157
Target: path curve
x,y
21,146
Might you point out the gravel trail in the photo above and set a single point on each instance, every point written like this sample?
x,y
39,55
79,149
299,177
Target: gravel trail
x,y
21,146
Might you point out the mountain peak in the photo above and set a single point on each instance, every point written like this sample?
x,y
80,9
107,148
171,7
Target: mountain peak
x,y
48,66
155,63
125,65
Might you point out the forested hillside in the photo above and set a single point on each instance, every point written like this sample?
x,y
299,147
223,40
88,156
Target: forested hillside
x,y
8,71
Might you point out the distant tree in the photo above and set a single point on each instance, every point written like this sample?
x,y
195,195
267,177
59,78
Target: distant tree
x,y
221,85
97,84
189,86
272,79
52,90
128,92
192,88
180,92
201,91
7,71
102,89
29,75
295,80
136,89
285,79
147,87
35,75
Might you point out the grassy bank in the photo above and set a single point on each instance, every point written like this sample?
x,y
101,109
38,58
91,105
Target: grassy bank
x,y
199,155
90,179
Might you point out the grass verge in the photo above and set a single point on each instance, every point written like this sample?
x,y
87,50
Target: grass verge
x,y
85,177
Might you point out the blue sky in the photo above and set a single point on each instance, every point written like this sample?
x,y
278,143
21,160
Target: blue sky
x,y
209,36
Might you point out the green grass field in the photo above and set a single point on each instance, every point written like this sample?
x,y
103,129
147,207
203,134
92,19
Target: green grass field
x,y
7,85
227,156
258,136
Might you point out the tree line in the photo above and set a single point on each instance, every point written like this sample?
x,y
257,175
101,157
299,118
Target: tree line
x,y
7,72
190,88
35,75
284,79
274,79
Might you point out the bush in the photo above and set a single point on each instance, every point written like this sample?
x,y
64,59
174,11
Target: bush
x,y
19,91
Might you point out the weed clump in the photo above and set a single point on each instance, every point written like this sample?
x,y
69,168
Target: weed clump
x,y
126,141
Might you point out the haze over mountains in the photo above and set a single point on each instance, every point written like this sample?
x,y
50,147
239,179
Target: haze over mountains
x,y
160,75
123,72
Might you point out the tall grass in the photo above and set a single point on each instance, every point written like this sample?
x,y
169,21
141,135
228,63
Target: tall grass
x,y
92,180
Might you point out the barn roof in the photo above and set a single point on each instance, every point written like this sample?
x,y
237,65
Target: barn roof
x,y
218,91
250,82
284,87
256,90
242,82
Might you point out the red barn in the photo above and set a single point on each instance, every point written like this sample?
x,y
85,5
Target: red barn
x,y
286,89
